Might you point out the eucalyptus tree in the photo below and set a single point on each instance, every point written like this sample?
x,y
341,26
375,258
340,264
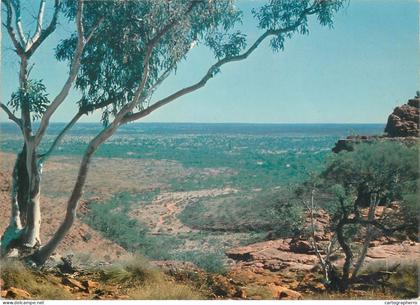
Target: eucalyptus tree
x,y
119,55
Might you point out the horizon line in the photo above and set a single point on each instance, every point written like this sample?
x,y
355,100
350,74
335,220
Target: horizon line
x,y
233,123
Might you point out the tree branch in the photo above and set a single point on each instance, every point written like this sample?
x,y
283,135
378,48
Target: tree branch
x,y
39,22
18,22
324,263
82,111
40,35
158,82
386,230
11,115
214,68
371,216
95,27
150,46
60,136
10,30
44,252
74,68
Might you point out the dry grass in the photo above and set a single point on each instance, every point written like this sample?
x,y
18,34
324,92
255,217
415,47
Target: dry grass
x,y
135,279
403,282
164,290
39,285
256,292
134,271
145,282
351,295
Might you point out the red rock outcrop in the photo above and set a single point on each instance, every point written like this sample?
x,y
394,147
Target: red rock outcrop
x,y
404,120
402,126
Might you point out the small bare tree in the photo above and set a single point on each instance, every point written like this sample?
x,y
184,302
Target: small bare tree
x,y
353,185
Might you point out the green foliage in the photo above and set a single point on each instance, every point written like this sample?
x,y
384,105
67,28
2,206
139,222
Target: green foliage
x,y
370,175
259,212
34,97
380,171
409,208
281,14
213,262
377,173
287,216
112,62
112,219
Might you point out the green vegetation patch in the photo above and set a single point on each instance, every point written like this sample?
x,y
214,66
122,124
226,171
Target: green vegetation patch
x,y
245,212
112,219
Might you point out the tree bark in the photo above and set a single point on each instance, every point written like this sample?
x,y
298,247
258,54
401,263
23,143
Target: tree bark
x,y
24,226
344,282
369,232
13,231
41,255
21,180
31,236
30,196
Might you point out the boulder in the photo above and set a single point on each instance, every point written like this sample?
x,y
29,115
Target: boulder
x,y
16,293
404,120
288,294
283,293
301,246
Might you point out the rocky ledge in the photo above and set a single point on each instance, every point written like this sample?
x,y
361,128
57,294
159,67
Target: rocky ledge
x,y
404,120
289,268
402,126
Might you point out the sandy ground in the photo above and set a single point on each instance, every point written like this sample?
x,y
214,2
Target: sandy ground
x,y
161,214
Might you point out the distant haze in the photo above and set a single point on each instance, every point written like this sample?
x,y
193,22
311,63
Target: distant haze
x,y
355,73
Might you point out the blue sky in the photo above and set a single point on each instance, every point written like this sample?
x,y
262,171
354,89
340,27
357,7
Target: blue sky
x,y
355,73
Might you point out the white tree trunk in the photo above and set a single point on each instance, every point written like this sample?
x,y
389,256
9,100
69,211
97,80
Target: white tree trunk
x,y
14,229
31,236
33,227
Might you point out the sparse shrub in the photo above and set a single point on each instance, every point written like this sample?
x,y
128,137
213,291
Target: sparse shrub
x,y
210,262
244,212
287,216
131,272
